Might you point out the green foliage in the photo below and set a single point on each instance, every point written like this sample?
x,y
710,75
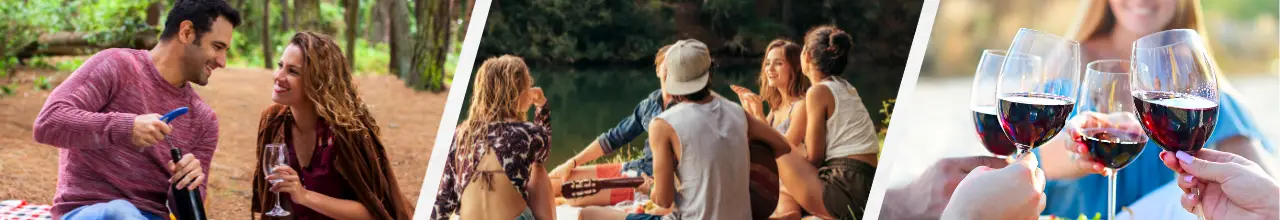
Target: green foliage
x,y
1244,9
7,65
43,83
69,65
21,22
575,30
109,21
7,90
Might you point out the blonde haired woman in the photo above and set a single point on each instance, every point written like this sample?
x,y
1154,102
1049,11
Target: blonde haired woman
x,y
495,167
1107,31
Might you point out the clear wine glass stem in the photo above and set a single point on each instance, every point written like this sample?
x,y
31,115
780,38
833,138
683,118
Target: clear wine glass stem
x,y
1111,193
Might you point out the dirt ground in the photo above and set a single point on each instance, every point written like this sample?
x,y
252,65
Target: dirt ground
x,y
409,119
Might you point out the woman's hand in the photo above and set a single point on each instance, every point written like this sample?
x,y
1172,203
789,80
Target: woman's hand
x,y
1230,186
289,183
564,170
537,98
751,102
1123,121
1013,192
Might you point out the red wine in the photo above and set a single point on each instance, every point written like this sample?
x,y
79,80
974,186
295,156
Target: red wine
x,y
1032,119
1177,122
189,204
990,133
1112,147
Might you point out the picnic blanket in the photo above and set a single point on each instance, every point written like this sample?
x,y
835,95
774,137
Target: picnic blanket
x,y
21,210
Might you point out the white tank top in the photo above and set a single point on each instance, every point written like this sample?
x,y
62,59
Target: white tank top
x,y
714,167
850,130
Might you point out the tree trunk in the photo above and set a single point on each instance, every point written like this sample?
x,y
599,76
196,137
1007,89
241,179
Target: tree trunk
x,y
284,15
306,15
401,44
352,9
153,13
432,50
71,43
377,31
266,34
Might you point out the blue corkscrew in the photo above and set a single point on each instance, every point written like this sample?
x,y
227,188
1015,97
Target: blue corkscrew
x,y
168,117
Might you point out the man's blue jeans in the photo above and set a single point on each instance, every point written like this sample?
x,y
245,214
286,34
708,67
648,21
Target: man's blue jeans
x,y
115,209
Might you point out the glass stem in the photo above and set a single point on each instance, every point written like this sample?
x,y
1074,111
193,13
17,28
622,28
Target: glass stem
x,y
1111,193
278,201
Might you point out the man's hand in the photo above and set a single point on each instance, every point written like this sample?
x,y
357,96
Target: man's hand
x,y
187,173
1013,192
564,170
148,130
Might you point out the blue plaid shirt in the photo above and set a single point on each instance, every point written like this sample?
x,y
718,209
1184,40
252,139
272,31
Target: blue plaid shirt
x,y
631,127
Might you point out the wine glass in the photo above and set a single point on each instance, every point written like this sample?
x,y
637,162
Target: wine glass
x,y
982,101
275,155
1037,93
1104,121
1175,87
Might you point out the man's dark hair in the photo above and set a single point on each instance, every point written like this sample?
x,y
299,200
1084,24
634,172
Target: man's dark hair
x,y
700,94
201,13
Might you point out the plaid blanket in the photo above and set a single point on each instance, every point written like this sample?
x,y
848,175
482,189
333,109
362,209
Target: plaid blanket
x,y
21,210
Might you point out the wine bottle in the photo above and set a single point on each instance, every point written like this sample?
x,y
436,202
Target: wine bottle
x,y
189,204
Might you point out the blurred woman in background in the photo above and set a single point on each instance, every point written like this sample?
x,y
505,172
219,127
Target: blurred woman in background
x,y
1107,31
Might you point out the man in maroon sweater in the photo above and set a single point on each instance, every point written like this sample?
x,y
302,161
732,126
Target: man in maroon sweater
x,y
113,160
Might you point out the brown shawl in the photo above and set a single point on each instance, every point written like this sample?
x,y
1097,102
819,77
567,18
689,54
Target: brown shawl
x,y
361,159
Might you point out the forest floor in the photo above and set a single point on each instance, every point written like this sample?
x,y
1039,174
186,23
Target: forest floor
x,y
409,119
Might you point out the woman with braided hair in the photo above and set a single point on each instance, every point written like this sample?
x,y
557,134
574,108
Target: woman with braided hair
x,y
337,166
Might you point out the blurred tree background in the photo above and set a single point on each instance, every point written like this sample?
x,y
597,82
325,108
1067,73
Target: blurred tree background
x,y
624,35
416,40
1242,33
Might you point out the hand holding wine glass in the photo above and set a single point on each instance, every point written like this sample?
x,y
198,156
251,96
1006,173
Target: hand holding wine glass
x,y
274,155
1230,186
1105,127
1013,192
1175,87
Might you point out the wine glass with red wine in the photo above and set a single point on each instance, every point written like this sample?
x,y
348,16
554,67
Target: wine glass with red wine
x,y
1105,123
1175,87
982,101
274,155
1036,94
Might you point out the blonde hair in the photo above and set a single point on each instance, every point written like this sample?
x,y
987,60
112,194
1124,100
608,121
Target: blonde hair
x,y
1097,18
495,97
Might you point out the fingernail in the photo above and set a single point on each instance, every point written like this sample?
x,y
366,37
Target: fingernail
x,y
1183,157
1187,179
1191,196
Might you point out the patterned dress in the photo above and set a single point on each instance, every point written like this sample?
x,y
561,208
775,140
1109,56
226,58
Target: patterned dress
x,y
518,146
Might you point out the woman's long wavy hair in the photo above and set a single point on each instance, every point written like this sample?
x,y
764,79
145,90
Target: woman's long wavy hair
x,y
495,98
799,84
329,85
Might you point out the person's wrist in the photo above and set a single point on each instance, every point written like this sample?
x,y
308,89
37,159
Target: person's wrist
x,y
303,197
